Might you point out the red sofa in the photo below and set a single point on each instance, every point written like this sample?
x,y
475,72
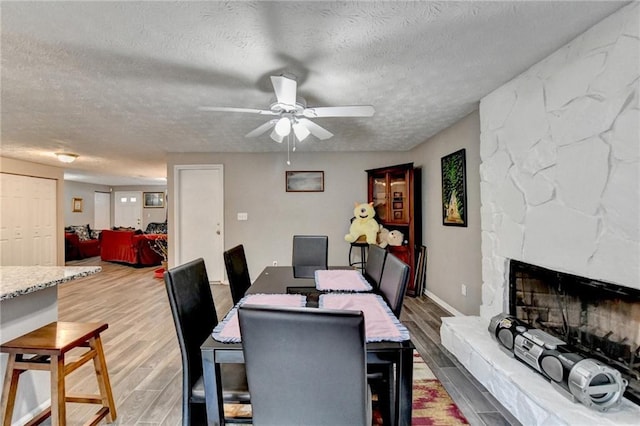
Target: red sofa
x,y
132,247
75,248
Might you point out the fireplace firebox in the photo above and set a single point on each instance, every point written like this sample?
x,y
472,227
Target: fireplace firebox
x,y
597,319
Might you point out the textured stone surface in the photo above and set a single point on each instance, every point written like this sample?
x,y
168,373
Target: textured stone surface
x,y
581,174
511,200
540,156
621,200
572,81
578,169
625,135
559,238
537,188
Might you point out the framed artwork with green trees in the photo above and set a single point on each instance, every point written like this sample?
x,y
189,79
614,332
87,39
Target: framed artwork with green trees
x,y
454,189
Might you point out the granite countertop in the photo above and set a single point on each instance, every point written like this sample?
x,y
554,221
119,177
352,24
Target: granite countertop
x,y
19,280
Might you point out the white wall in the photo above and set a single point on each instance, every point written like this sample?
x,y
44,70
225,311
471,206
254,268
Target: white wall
x,y
453,253
86,192
255,184
560,172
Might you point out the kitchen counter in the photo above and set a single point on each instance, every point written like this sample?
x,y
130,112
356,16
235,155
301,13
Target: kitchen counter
x,y
20,280
29,300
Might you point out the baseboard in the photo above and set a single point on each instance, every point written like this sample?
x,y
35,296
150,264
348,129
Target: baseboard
x,y
444,305
34,412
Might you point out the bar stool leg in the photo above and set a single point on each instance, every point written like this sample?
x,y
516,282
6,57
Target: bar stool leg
x,y
58,402
102,374
9,389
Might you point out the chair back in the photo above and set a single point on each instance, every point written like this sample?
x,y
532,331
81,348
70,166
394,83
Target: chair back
x,y
235,263
310,253
393,282
375,265
305,365
194,315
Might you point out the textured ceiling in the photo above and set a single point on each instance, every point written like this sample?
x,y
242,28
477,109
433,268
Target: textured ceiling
x,y
120,83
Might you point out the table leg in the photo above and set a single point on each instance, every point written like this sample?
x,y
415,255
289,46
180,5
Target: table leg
x,y
212,389
404,388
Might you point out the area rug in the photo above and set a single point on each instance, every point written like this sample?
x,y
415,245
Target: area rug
x,y
432,405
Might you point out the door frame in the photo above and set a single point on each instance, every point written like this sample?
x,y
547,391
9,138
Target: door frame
x,y
176,213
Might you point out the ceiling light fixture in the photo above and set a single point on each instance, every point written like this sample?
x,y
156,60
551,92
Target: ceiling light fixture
x,y
283,126
301,131
276,137
66,157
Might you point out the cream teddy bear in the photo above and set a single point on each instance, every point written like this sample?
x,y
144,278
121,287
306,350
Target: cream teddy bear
x,y
363,223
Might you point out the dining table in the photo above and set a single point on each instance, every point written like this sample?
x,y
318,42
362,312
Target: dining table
x,y
280,280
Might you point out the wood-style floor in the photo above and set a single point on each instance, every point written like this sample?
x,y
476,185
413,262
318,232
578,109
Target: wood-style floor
x,y
143,357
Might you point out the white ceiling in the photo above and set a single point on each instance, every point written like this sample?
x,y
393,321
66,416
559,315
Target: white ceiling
x,y
120,83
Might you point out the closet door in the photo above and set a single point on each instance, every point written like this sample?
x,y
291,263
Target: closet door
x,y
27,221
199,216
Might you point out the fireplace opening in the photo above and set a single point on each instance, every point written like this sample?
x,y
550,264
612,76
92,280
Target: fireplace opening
x,y
597,319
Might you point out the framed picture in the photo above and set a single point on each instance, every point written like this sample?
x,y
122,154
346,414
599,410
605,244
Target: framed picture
x,y
76,205
397,205
454,189
397,214
305,181
153,200
397,195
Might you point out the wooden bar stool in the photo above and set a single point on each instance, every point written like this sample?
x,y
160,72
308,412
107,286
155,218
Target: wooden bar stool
x,y
48,345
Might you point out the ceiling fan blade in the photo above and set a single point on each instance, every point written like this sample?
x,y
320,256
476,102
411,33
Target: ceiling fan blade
x,y
340,111
317,131
261,129
232,109
285,89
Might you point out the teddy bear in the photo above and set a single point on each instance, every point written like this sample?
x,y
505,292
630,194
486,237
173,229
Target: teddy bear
x,y
389,238
363,224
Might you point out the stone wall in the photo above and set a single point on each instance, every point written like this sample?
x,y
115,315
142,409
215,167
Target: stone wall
x,y
560,171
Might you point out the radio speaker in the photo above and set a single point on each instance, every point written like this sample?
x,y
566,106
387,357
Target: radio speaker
x,y
552,367
596,385
506,338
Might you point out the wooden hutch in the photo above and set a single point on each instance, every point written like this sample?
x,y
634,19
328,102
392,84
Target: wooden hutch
x,y
397,198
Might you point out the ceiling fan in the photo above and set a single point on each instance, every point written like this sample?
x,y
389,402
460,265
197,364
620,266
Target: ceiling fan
x,y
292,113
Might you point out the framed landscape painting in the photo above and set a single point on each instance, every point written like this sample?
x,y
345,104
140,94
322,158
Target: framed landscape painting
x,y
305,181
454,189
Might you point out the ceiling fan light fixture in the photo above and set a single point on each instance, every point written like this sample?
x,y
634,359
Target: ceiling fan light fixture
x,y
276,137
301,131
283,126
66,157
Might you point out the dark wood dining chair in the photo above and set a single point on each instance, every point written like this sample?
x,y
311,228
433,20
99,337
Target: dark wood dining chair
x,y
305,366
375,265
194,315
393,282
310,253
235,263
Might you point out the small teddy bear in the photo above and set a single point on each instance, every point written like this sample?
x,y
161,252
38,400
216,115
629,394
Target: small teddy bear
x,y
389,238
363,223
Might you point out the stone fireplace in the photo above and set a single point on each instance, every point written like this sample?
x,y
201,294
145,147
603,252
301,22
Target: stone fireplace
x,y
599,320
560,189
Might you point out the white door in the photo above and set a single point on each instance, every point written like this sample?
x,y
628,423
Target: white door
x,y
128,209
102,210
199,214
27,221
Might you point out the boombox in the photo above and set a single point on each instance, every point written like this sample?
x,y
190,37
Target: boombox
x,y
586,380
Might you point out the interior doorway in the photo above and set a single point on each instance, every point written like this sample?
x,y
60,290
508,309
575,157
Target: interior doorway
x,y
199,216
102,210
128,209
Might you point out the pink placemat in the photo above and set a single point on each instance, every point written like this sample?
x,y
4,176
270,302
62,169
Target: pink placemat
x,y
380,323
228,330
341,280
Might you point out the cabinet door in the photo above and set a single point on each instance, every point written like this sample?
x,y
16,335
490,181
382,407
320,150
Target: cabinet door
x,y
399,195
379,196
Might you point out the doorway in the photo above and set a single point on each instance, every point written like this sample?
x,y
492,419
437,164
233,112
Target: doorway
x,y
102,210
199,216
128,209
